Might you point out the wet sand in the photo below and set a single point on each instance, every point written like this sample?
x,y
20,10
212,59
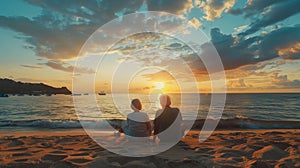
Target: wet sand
x,y
228,148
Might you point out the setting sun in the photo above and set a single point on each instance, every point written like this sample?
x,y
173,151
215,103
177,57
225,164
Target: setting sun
x,y
159,85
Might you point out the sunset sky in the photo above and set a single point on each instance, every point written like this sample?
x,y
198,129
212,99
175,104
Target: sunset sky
x,y
258,41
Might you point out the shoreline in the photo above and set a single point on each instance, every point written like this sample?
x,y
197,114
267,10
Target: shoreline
x,y
12,131
78,131
237,123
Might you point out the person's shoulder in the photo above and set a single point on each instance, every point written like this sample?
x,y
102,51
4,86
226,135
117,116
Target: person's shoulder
x,y
143,113
131,114
158,112
175,110
144,116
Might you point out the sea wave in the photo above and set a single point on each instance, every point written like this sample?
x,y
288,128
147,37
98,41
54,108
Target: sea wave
x,y
56,124
243,122
239,122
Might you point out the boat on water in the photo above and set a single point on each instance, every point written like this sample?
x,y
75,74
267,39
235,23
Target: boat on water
x,y
3,95
102,93
76,94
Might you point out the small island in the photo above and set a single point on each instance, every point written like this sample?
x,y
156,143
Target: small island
x,y
9,86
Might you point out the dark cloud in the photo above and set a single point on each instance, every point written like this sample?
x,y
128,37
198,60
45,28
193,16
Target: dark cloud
x,y
31,66
51,42
62,66
63,26
236,51
172,6
146,88
240,56
284,42
275,14
253,7
267,12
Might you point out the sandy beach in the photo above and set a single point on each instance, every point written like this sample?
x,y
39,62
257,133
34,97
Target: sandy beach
x,y
238,148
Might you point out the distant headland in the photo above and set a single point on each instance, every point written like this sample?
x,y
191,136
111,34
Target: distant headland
x,y
9,86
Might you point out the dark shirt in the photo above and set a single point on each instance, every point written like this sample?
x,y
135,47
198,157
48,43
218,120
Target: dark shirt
x,y
168,118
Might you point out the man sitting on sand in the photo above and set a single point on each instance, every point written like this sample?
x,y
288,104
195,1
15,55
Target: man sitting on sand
x,y
167,122
138,123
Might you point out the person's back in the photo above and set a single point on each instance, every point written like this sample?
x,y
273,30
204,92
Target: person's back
x,y
167,122
138,123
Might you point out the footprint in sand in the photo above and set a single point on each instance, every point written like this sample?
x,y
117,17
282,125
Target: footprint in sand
x,y
15,143
21,160
21,154
16,149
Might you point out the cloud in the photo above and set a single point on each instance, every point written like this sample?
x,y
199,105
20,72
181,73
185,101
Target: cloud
x,y
31,66
282,81
62,66
172,6
290,52
49,41
245,55
256,56
256,72
98,12
236,52
159,76
214,8
58,33
196,23
238,84
253,7
241,28
270,12
63,26
284,42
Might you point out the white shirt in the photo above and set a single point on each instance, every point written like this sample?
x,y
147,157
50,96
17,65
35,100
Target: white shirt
x,y
137,124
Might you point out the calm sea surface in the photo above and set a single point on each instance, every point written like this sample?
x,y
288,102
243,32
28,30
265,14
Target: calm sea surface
x,y
58,110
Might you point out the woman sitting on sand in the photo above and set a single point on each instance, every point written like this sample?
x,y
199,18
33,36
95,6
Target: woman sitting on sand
x,y
138,123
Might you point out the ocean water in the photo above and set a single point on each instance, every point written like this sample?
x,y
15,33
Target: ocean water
x,y
58,111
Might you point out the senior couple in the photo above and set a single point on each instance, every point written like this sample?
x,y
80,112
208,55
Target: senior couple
x,y
166,125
